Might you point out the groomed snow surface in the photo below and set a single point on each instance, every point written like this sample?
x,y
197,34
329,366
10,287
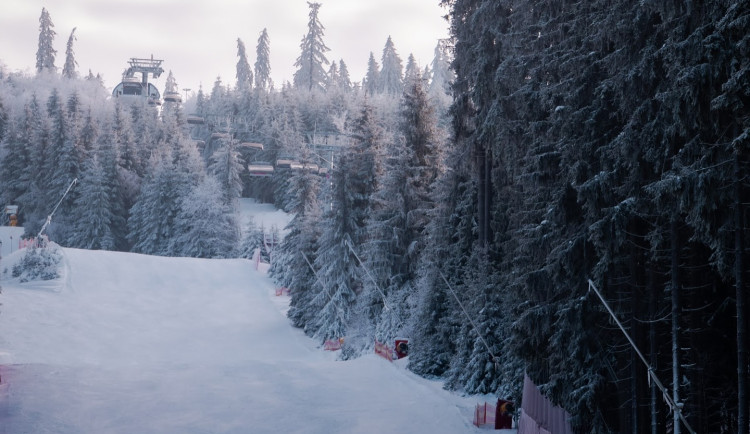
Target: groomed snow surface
x,y
128,343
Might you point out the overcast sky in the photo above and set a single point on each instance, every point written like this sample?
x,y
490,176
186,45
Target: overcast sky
x,y
197,39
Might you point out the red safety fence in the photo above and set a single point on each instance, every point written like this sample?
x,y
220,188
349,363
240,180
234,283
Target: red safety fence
x,y
282,291
384,351
33,242
333,344
484,414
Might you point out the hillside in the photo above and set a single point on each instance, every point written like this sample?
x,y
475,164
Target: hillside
x,y
134,343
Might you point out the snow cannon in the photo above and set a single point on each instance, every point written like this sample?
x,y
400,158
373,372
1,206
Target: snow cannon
x,y
402,348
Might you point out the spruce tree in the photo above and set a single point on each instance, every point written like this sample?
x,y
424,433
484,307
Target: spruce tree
x,y
412,71
109,157
391,73
263,62
251,241
310,64
3,120
37,197
441,74
129,167
92,228
244,73
344,228
345,81
372,79
204,227
332,78
290,266
45,53
16,161
227,167
69,69
151,220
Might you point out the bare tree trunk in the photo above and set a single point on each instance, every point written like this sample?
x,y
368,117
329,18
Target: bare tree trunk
x,y
634,360
481,196
652,347
742,409
676,308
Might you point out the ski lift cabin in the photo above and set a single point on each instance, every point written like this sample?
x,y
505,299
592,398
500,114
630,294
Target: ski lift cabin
x,y
312,167
260,169
286,162
252,145
195,120
219,136
172,97
134,88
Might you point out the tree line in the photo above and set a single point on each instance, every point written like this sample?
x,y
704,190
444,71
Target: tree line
x,y
584,140
606,141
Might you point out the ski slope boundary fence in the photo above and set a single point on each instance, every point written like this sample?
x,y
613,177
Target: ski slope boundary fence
x,y
384,351
484,414
333,344
36,242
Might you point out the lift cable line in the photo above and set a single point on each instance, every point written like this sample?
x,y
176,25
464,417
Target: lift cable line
x,y
675,407
317,278
49,217
382,294
495,360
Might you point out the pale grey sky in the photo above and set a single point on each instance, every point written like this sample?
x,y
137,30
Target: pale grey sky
x,y
197,38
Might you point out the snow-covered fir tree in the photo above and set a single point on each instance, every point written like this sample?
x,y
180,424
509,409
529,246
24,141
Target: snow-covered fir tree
x,y
344,228
93,223
151,221
311,63
109,157
371,82
244,73
292,262
69,68
263,62
130,168
226,166
332,78
251,241
441,73
15,161
205,226
345,81
412,71
391,72
67,163
45,53
37,197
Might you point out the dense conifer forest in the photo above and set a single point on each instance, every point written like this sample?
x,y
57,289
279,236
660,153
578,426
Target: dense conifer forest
x,y
471,205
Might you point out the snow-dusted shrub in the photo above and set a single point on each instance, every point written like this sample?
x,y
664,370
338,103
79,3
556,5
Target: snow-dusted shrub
x,y
39,264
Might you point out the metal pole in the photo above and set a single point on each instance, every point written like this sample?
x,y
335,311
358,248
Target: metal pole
x,y
49,217
325,290
382,294
476,329
675,407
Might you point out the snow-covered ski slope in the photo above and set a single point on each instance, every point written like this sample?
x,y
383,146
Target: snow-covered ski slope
x,y
128,343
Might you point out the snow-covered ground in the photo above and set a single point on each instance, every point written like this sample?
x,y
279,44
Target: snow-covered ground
x,y
263,214
128,343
